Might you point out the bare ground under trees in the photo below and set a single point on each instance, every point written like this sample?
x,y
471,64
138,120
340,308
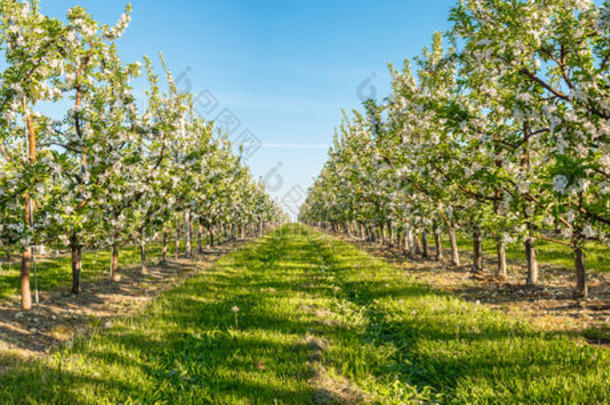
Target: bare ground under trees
x,y
61,316
549,305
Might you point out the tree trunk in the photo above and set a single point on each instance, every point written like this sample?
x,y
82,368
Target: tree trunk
x,y
187,234
164,248
418,247
199,237
438,246
455,254
424,242
28,252
76,266
581,290
143,268
410,244
114,262
502,272
177,242
530,252
532,263
26,265
210,237
114,256
477,260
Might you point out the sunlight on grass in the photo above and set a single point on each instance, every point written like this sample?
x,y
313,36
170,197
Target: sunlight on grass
x,y
379,334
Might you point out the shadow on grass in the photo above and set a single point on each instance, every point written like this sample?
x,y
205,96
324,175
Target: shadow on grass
x,y
454,346
186,347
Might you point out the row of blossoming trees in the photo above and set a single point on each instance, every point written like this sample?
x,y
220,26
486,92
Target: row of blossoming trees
x,y
504,134
97,171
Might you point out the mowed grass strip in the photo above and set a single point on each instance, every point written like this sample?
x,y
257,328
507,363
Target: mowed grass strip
x,y
377,335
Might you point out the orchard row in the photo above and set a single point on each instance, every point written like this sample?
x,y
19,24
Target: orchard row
x,y
82,166
503,134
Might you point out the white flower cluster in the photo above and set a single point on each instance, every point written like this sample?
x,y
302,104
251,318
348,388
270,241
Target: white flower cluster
x,y
106,168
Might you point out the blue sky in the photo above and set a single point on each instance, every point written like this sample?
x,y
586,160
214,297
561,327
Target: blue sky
x,y
284,69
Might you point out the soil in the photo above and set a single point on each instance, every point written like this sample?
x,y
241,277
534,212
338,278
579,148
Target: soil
x,y
549,305
61,315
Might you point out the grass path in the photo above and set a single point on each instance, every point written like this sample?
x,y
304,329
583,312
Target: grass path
x,y
319,322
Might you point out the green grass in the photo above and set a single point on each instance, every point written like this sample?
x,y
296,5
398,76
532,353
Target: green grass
x,y
391,337
597,253
56,273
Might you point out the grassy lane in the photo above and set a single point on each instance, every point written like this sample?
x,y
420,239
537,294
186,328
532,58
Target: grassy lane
x,y
318,322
